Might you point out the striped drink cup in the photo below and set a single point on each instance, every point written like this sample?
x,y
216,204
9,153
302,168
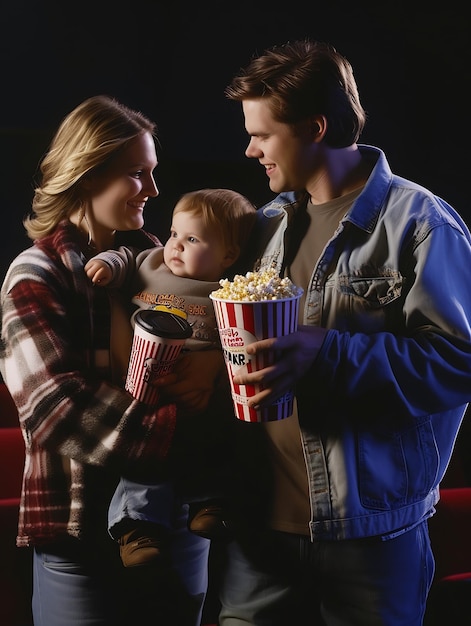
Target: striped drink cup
x,y
241,323
159,336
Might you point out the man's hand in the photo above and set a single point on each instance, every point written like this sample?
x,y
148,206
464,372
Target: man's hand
x,y
293,355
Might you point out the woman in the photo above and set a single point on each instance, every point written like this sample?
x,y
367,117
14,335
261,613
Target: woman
x,y
61,346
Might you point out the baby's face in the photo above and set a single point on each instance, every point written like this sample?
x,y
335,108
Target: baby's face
x,y
193,250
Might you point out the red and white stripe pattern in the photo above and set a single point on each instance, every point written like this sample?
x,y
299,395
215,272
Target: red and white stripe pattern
x,y
242,323
151,357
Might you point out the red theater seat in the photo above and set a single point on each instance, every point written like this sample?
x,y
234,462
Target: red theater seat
x,y
450,534
15,563
8,412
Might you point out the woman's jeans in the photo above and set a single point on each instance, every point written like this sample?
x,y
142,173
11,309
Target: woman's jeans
x,y
279,579
79,585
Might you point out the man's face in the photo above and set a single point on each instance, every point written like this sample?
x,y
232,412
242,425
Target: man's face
x,y
289,156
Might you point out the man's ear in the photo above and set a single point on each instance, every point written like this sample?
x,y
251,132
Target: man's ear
x,y
318,127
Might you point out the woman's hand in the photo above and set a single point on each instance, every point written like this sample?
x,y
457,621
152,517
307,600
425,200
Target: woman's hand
x,y
193,380
293,355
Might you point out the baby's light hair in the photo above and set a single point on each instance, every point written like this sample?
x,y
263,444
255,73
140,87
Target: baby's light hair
x,y
230,213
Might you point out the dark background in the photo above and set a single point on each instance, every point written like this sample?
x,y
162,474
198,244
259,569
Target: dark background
x,y
173,60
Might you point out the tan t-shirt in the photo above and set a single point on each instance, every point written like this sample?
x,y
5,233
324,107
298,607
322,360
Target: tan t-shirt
x,y
312,229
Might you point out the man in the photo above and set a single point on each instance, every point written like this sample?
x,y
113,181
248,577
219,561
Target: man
x,y
334,507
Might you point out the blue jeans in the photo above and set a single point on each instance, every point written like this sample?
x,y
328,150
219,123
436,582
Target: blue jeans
x,y
146,502
77,585
278,579
140,501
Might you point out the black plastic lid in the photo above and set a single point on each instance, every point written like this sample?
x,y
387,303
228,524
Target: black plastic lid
x,y
164,324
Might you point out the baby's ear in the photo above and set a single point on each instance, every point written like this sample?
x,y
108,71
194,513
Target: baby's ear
x,y
232,254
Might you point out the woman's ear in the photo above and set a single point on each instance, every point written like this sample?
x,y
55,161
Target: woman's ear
x,y
93,183
87,183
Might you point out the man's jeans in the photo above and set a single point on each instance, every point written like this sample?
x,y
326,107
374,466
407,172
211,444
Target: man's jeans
x,y
278,579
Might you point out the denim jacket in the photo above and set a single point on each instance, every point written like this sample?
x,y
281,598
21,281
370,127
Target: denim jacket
x,y
381,406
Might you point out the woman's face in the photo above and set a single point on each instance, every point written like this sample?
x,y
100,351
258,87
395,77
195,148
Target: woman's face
x,y
117,197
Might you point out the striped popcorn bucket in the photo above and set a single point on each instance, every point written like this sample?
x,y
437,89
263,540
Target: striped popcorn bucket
x,y
158,339
241,323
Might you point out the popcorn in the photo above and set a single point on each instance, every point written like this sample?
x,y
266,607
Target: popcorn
x,y
257,286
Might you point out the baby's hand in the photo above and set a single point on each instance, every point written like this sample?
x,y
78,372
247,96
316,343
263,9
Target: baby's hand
x,y
98,272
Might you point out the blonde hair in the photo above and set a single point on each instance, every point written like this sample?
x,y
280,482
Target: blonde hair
x,y
230,213
87,139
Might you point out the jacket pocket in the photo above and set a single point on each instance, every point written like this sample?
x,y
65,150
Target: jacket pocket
x,y
377,289
396,469
364,300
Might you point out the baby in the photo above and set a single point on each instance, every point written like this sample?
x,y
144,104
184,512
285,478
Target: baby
x,y
209,229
